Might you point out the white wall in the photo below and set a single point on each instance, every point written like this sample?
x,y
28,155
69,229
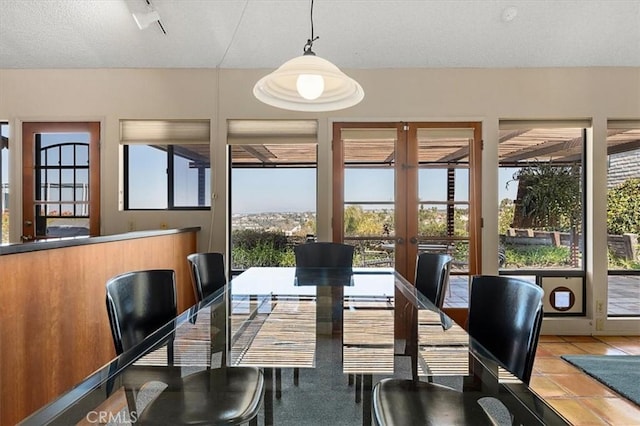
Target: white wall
x,y
486,95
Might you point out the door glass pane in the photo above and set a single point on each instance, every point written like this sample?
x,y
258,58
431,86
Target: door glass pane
x,y
623,221
369,195
443,207
434,221
68,186
433,183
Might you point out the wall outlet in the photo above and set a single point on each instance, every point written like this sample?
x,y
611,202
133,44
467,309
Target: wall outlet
x,y
599,324
599,306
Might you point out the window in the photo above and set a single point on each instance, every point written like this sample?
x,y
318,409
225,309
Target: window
x,y
272,190
541,213
175,156
623,218
541,209
4,182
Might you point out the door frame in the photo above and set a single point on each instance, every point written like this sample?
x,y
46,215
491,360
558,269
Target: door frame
x,y
29,130
406,192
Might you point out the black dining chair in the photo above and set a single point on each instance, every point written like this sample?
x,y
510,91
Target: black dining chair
x,y
505,316
432,276
138,304
321,255
431,280
207,273
324,255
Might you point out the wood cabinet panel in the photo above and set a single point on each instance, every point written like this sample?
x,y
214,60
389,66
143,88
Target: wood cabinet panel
x,y
54,329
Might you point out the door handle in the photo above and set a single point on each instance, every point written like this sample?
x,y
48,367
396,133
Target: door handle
x,y
400,240
413,240
28,223
26,238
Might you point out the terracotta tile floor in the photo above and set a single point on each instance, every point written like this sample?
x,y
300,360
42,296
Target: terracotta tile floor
x,y
581,399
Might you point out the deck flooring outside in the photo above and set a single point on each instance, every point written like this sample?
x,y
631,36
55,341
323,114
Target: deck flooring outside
x,y
624,294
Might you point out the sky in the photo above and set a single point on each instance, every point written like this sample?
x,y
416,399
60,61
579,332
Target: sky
x,y
293,190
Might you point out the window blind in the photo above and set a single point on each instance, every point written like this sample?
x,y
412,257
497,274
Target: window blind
x,y
165,132
265,132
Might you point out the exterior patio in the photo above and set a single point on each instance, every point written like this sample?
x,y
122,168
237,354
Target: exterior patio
x,y
624,294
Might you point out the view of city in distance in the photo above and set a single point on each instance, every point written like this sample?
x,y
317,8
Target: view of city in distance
x,y
283,200
274,200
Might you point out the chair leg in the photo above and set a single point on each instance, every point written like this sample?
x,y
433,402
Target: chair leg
x,y
367,386
358,387
350,379
268,396
278,383
254,421
131,401
296,376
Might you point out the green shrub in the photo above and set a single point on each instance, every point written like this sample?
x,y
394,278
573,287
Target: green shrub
x,y
623,208
543,257
260,248
617,262
249,239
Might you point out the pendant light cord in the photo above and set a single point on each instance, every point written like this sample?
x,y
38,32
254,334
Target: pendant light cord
x,y
307,47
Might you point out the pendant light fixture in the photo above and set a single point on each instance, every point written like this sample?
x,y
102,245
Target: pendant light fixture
x,y
308,83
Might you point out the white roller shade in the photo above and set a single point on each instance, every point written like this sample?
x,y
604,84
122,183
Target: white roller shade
x,y
623,124
352,134
165,132
265,132
440,133
579,123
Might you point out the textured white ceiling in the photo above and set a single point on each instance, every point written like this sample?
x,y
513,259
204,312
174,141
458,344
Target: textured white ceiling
x,y
353,33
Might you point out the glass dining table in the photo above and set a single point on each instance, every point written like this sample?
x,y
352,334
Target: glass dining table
x,y
322,337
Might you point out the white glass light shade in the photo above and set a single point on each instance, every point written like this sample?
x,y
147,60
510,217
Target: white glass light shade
x,y
310,86
280,88
143,20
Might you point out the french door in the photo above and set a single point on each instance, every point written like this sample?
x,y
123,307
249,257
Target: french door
x,y
60,180
405,188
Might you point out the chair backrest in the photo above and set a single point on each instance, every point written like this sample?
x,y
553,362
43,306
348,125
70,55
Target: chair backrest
x,y
505,317
207,273
432,276
324,254
138,304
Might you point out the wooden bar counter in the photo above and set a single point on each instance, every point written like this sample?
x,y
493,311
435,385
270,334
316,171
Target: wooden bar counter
x,y
54,329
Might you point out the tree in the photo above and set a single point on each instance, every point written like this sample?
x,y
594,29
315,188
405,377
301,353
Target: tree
x,y
550,196
550,199
505,215
623,208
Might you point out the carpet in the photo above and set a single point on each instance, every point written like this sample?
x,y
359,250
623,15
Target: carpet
x,y
619,372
